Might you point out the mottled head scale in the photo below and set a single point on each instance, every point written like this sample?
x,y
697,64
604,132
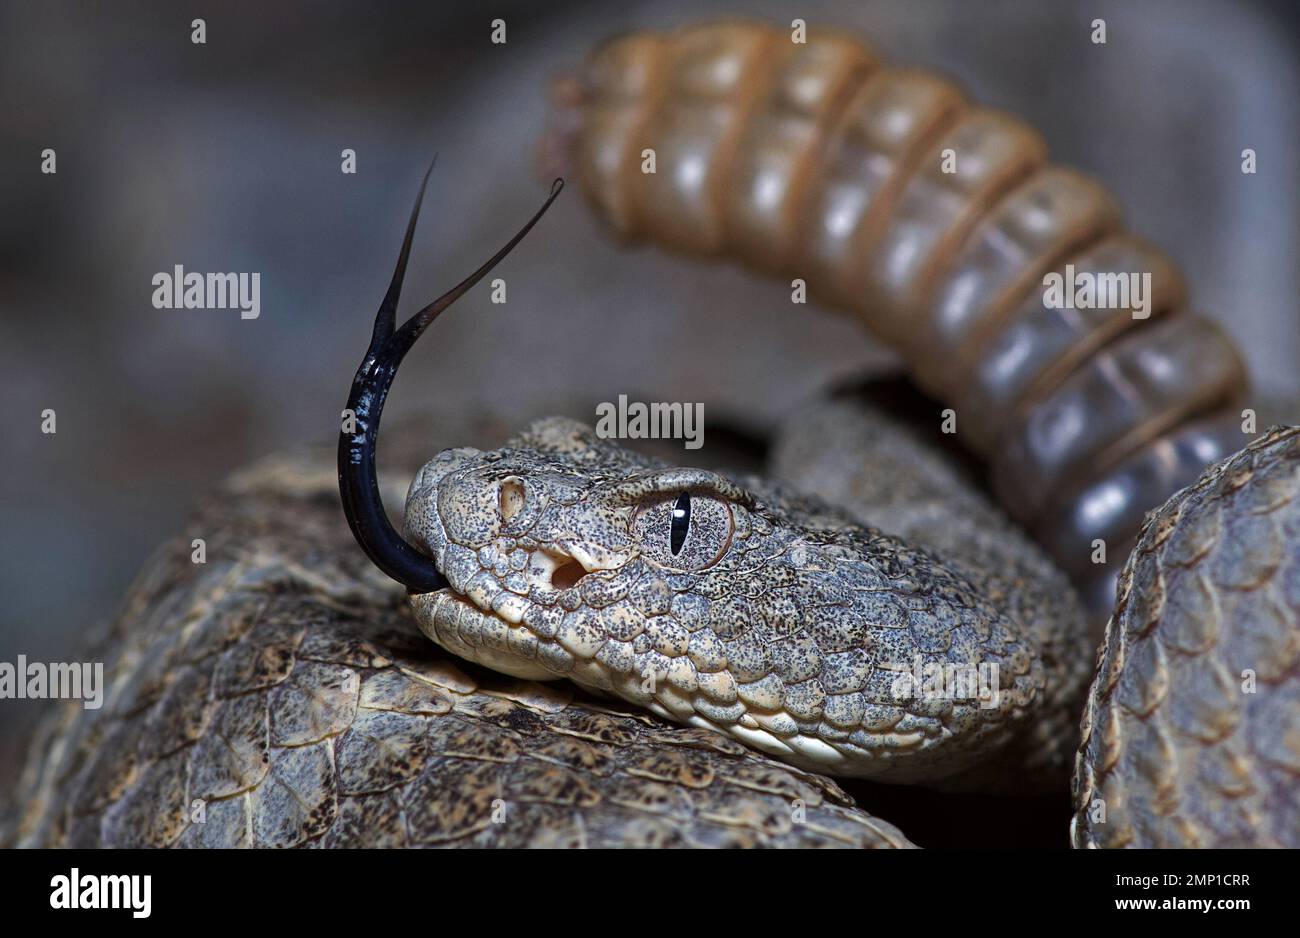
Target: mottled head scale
x,y
358,484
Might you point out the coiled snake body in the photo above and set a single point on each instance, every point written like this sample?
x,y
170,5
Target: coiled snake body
x,y
279,697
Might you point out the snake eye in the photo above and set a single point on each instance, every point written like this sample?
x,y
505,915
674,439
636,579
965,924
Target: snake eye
x,y
685,533
681,523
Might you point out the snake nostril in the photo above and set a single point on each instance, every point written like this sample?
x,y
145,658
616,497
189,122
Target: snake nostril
x,y
566,575
510,498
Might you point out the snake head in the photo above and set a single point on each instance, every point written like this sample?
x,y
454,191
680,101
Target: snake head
x,y
724,604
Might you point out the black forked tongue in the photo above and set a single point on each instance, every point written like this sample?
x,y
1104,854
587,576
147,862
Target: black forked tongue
x,y
358,482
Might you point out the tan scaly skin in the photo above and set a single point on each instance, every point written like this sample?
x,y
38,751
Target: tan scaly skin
x,y
1191,736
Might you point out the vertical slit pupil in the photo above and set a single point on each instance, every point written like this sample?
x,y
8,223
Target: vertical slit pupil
x,y
681,523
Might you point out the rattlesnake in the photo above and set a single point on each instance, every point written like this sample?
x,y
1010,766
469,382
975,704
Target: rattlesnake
x,y
279,695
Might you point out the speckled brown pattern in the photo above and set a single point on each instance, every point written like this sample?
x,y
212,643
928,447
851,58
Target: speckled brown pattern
x,y
285,684
1179,749
886,473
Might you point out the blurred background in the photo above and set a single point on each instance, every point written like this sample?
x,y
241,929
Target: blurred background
x,y
226,157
